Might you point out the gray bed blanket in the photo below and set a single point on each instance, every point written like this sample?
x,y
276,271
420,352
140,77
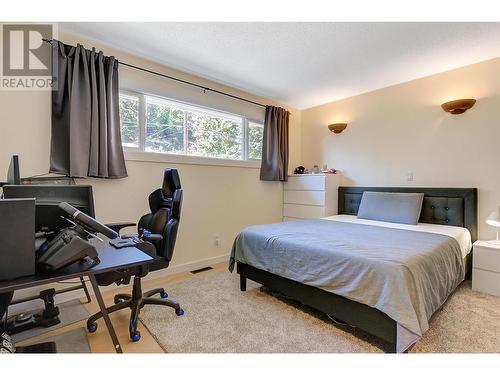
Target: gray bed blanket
x,y
408,275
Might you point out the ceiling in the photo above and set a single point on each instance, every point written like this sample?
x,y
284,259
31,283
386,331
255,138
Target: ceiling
x,y
302,64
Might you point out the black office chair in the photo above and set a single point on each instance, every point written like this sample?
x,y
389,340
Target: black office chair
x,y
162,223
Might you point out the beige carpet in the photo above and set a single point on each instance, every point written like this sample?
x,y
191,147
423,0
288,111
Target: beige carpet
x,y
221,319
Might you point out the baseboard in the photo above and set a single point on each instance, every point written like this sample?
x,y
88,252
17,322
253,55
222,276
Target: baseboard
x,y
187,267
176,269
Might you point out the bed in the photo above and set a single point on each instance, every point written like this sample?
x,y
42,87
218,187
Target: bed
x,y
385,279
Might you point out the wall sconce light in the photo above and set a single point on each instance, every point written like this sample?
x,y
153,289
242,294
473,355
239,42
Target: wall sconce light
x,y
456,107
337,127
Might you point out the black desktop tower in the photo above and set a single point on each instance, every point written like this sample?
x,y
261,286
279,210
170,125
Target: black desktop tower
x,y
17,238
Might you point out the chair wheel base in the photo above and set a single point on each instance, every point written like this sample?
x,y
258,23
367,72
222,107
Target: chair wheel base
x,y
135,336
92,327
179,312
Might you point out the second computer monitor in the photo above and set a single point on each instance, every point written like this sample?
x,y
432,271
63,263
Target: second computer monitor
x,y
47,198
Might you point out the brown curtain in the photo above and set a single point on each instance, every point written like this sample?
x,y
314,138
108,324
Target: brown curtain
x,y
86,140
274,165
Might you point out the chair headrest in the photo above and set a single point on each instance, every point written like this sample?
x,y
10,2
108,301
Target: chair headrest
x,y
158,200
161,198
171,182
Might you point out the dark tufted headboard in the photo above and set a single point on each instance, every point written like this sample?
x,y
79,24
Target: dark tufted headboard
x,y
445,206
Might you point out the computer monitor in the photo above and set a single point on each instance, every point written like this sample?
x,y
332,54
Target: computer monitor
x,y
47,198
14,175
17,225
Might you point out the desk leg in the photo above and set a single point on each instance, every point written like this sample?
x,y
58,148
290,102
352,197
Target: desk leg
x,y
104,312
84,286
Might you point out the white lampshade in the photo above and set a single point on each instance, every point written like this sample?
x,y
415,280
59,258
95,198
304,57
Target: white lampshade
x,y
494,219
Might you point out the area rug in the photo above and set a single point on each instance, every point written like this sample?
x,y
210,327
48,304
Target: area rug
x,y
221,319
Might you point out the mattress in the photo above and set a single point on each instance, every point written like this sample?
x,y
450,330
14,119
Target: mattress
x,y
461,234
406,273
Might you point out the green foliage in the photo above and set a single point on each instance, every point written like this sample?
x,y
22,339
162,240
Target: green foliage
x,y
255,134
129,119
164,129
214,137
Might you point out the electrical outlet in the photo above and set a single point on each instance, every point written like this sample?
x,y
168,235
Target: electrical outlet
x,y
409,176
217,240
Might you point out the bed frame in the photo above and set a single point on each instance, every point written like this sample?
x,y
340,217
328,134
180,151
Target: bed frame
x,y
445,206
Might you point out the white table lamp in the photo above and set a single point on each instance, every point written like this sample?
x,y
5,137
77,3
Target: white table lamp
x,y
494,220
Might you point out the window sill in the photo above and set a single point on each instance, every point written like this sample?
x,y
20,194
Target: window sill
x,y
155,157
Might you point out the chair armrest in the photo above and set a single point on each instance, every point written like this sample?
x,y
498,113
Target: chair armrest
x,y
117,227
154,238
131,235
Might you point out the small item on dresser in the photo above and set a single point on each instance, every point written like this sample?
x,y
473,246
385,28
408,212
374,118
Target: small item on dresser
x,y
324,169
315,169
332,171
299,170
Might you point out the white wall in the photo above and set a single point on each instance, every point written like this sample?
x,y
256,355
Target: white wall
x,y
218,200
402,129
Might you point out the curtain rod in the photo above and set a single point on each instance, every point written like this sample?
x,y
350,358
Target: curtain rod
x,y
204,88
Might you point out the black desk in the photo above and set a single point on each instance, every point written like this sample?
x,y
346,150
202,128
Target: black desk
x,y
111,259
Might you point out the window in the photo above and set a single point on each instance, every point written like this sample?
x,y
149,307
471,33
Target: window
x,y
255,136
175,128
164,128
129,120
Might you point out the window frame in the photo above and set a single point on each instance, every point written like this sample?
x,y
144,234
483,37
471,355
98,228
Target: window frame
x,y
140,153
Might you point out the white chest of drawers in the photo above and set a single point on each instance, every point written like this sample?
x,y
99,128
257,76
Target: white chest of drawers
x,y
486,268
310,196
